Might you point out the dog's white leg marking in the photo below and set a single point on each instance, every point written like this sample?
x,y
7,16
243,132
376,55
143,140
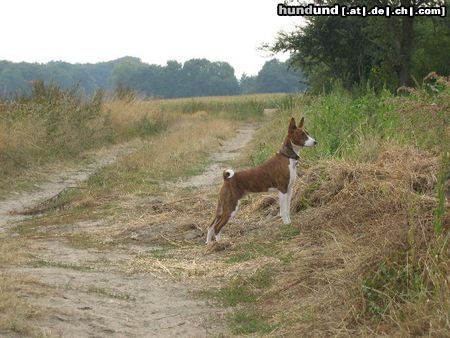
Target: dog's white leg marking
x,y
292,178
210,234
235,210
288,205
218,236
280,194
281,197
283,208
211,231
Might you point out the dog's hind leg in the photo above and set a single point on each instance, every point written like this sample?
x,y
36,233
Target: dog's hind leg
x,y
211,231
224,218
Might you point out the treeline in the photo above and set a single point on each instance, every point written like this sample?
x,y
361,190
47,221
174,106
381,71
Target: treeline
x,y
274,77
375,51
196,77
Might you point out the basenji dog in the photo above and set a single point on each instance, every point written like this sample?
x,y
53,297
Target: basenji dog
x,y
276,174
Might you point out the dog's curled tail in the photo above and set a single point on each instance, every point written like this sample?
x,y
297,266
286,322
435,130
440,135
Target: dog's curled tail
x,y
227,174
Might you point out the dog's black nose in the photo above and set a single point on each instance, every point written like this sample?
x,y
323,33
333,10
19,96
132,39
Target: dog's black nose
x,y
315,143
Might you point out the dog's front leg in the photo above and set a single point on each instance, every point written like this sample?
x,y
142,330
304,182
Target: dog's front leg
x,y
288,205
283,208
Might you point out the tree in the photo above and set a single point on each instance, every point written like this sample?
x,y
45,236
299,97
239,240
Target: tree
x,y
274,77
355,50
196,77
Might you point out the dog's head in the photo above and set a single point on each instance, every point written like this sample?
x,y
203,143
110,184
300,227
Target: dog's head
x,y
299,136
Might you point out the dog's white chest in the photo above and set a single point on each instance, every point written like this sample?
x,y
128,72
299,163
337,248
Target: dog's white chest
x,y
292,172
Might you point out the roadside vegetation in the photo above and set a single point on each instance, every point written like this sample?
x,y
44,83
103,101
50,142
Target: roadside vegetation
x,y
372,252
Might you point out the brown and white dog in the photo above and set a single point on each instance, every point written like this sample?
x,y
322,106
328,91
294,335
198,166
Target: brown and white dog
x,y
276,174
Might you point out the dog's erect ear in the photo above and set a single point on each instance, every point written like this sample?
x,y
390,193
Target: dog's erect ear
x,y
302,122
292,124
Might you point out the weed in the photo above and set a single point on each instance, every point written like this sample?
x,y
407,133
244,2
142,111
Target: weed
x,y
232,295
286,259
83,240
261,278
390,285
37,263
261,154
159,253
440,210
288,231
252,250
248,321
111,294
242,289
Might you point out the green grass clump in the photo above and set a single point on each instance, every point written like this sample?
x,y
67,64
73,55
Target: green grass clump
x,y
252,250
288,231
236,293
245,289
247,322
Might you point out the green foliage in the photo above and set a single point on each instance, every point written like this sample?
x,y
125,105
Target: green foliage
x,y
128,77
144,127
252,250
243,289
389,285
236,293
383,52
274,77
352,128
288,231
262,153
248,321
440,210
262,278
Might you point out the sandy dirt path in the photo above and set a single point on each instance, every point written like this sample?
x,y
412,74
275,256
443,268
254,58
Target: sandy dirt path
x,y
12,206
89,293
228,151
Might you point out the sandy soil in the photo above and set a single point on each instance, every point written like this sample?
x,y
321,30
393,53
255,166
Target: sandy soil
x,y
228,151
15,203
91,294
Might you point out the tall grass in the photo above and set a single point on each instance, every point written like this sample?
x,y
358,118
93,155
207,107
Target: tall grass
x,y
55,124
236,107
354,128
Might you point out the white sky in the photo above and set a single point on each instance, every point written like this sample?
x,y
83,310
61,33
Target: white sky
x,y
80,31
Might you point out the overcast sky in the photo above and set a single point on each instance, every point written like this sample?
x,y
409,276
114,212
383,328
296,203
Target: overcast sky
x,y
80,31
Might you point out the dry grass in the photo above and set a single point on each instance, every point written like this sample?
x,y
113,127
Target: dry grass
x,y
358,219
15,312
183,149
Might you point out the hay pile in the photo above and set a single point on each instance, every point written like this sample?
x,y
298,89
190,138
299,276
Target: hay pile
x,y
384,197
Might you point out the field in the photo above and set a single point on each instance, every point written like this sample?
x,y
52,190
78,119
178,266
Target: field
x,y
121,251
